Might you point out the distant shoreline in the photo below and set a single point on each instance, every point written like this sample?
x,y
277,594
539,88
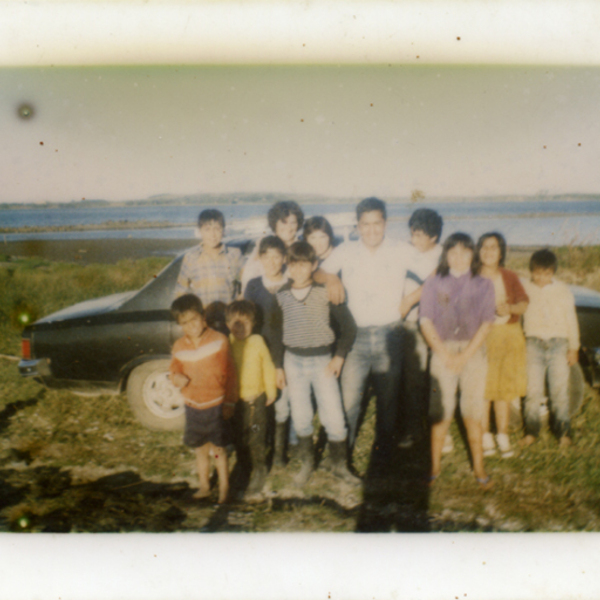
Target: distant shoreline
x,y
144,224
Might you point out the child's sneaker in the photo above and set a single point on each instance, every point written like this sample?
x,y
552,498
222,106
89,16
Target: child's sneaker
x,y
489,447
504,445
448,445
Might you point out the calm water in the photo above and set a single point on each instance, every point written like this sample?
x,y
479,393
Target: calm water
x,y
576,222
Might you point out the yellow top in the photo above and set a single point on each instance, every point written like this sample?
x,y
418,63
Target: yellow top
x,y
255,368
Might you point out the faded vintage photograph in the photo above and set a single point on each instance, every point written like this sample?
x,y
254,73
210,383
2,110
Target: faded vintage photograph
x,y
284,298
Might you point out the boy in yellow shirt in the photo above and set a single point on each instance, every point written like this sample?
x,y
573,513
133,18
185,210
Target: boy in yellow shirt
x,y
257,390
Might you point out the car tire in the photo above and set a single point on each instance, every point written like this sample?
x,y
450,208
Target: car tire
x,y
154,400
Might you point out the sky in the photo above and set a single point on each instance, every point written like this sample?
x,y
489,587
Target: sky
x,y
121,133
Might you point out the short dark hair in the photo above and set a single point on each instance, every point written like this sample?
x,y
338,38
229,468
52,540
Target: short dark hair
x,y
462,239
271,242
501,243
186,303
211,214
242,308
318,224
282,210
543,259
301,251
428,221
369,205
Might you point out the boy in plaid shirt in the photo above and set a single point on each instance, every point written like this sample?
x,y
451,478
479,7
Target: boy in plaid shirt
x,y
211,270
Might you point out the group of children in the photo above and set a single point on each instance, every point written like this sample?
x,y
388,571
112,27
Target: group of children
x,y
459,317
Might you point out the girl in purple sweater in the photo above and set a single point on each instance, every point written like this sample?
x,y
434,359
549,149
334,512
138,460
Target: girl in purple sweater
x,y
457,310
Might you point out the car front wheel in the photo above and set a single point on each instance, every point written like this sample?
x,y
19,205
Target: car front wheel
x,y
154,400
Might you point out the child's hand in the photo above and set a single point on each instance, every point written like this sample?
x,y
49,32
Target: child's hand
x,y
572,357
228,410
455,362
280,378
503,310
271,400
179,380
335,366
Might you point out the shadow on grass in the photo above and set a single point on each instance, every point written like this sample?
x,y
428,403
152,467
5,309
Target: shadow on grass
x,y
11,409
396,492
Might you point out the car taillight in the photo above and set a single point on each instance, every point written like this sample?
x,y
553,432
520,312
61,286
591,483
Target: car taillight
x,y
26,348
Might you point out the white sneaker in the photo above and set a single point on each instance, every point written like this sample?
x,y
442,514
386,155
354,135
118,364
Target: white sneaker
x,y
448,445
504,444
489,446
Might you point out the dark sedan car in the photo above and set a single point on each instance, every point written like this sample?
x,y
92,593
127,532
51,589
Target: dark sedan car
x,y
124,342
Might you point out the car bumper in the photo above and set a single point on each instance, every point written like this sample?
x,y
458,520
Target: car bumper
x,y
35,368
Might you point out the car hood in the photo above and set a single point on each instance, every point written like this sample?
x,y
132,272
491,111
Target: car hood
x,y
584,297
96,306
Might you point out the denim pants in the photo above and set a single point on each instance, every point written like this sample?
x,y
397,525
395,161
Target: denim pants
x,y
414,401
303,373
547,356
376,352
283,413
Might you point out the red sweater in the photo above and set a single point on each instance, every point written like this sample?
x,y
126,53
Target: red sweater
x,y
209,367
515,292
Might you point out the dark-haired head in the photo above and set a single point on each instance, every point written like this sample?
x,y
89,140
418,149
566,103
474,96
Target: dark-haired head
x,y
318,224
428,221
280,211
271,242
369,205
301,251
456,239
241,308
543,259
211,214
186,303
501,244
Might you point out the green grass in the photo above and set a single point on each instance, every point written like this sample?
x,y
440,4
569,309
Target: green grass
x,y
49,436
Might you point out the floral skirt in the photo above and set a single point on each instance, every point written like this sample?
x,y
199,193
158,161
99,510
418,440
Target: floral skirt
x,y
507,363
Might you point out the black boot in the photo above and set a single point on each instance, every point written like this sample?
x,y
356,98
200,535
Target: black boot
x,y
279,446
259,468
306,455
338,453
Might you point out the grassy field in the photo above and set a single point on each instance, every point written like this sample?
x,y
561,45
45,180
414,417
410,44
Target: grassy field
x,y
73,463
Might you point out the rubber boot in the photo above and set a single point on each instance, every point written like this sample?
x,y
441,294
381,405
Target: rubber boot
x,y
259,467
305,453
279,447
338,452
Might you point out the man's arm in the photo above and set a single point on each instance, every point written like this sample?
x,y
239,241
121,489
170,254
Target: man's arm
x,y
336,293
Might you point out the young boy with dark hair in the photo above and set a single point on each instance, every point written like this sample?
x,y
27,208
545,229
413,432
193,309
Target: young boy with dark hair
x,y
257,390
552,334
425,250
202,367
261,291
285,220
302,355
211,270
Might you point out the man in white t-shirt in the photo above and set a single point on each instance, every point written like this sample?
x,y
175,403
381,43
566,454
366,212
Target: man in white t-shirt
x,y
425,227
373,272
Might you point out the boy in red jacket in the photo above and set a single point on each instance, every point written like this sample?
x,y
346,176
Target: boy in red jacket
x,y
203,369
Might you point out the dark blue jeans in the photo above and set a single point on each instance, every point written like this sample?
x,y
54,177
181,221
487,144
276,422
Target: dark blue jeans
x,y
376,352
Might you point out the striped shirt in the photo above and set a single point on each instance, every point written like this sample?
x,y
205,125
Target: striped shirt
x,y
209,368
303,326
210,278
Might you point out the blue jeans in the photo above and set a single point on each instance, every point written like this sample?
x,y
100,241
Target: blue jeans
x,y
303,373
283,413
377,352
547,356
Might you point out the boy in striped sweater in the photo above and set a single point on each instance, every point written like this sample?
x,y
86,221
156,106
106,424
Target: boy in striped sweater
x,y
302,352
